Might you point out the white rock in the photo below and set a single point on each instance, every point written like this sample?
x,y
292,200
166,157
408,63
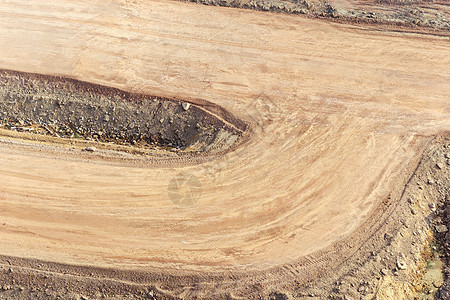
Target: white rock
x,y
186,105
441,228
432,206
401,265
90,149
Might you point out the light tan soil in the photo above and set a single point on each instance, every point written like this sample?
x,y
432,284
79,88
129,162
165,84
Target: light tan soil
x,y
343,117
371,271
431,16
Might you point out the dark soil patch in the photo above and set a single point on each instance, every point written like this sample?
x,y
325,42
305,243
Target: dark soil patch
x,y
68,108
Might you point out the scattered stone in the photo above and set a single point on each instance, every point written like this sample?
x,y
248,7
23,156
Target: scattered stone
x,y
432,206
441,228
430,181
90,149
384,271
388,236
186,105
440,166
401,264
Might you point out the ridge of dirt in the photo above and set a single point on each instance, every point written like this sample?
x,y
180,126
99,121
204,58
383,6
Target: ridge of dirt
x,y
70,109
342,118
442,226
429,17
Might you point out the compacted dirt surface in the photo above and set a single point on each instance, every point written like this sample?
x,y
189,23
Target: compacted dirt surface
x,y
431,16
305,158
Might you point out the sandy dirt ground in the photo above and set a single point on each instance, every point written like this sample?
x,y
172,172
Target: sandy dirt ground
x,y
339,116
431,16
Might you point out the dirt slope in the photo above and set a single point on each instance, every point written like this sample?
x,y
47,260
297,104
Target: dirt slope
x,y
340,116
430,16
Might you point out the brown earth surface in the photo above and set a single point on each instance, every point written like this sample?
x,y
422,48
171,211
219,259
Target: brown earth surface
x,y
341,115
431,16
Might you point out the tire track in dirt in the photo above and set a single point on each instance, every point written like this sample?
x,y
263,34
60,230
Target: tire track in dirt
x,y
342,121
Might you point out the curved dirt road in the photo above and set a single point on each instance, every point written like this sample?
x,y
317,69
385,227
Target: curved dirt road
x,y
338,116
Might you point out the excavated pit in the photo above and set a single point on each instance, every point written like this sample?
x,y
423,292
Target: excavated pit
x,y
67,108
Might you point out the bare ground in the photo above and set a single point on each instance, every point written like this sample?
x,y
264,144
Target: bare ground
x,y
388,262
431,16
328,197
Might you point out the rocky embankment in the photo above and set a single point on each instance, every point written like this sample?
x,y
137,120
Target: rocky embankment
x,y
419,15
67,108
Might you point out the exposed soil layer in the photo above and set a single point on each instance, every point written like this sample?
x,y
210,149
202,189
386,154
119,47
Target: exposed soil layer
x,y
443,237
69,108
417,15
313,204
